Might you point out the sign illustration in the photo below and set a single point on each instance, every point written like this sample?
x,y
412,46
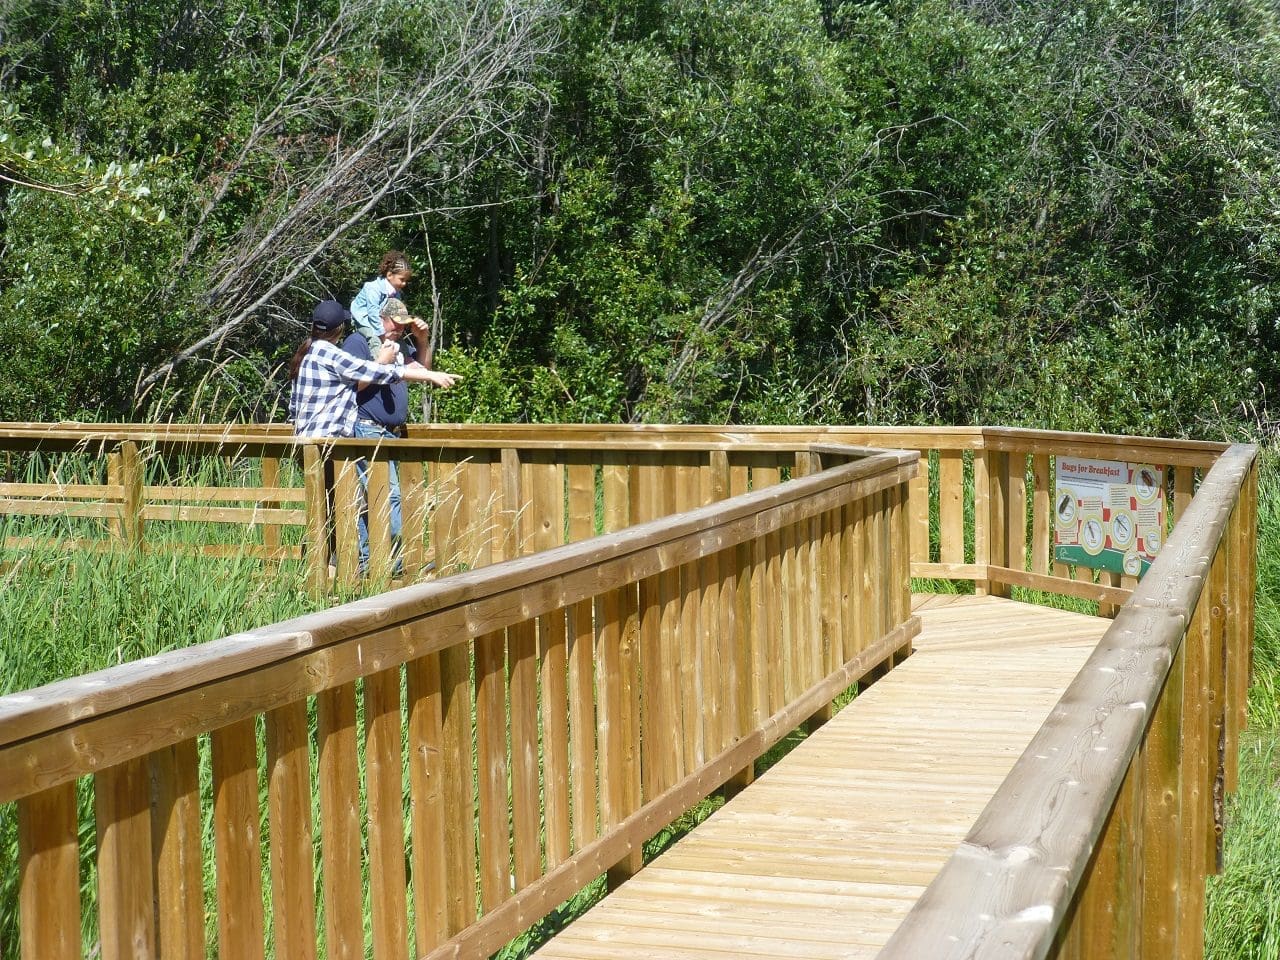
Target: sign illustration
x,y
1108,514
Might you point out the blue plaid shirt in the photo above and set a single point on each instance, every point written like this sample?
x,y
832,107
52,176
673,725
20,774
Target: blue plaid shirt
x,y
323,400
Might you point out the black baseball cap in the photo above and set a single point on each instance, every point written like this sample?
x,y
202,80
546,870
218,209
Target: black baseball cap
x,y
329,315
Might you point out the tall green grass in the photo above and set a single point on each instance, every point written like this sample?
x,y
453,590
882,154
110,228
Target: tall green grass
x,y
66,615
1243,921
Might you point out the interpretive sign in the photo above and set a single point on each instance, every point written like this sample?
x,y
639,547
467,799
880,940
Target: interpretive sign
x,y
1108,514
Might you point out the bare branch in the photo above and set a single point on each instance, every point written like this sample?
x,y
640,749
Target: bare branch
x,y
452,110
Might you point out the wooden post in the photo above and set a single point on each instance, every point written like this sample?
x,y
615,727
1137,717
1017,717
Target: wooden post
x,y
494,768
122,811
378,521
618,655
722,624
413,514
1235,687
1110,906
384,788
1108,578
902,589
818,592
289,794
744,702
49,874
317,510
856,578
1016,512
339,788
175,827
951,506
114,526
692,693
522,694
522,656
427,806
999,515
1195,786
131,476
543,523
919,499
237,841
460,856
1163,836
1041,538
772,670
873,571
1218,705
347,501
270,479
670,755
580,632
511,505
983,535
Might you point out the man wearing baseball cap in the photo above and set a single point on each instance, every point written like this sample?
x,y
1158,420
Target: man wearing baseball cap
x,y
383,408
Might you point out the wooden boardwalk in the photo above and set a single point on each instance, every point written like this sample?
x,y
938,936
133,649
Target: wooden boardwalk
x,y
826,852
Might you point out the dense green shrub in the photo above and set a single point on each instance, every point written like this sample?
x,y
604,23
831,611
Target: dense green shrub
x,y
904,211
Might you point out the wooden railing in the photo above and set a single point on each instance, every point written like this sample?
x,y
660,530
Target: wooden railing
x,y
117,482
980,506
600,653
1098,843
528,724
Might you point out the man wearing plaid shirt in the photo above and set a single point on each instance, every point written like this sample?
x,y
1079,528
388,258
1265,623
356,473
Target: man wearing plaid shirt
x,y
323,400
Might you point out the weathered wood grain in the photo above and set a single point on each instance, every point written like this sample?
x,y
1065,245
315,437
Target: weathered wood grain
x,y
49,874
289,796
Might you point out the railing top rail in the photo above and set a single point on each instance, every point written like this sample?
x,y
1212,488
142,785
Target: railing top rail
x,y
278,439
1006,889
1167,451
409,450
474,602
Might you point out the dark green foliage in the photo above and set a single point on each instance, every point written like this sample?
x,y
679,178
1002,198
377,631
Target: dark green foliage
x,y
902,211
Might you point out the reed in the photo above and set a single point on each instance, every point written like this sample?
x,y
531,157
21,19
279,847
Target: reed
x,y
1243,921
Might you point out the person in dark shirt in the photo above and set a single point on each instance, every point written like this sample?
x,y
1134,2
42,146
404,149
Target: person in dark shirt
x,y
383,409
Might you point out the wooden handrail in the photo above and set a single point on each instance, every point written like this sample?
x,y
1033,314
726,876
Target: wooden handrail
x,y
1004,550
1007,890
613,613
639,436
467,605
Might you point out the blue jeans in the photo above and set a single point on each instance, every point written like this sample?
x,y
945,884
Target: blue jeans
x,y
367,432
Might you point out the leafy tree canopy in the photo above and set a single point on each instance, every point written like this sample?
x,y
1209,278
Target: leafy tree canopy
x,y
683,210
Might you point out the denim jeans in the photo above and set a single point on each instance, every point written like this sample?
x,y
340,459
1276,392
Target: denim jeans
x,y
367,432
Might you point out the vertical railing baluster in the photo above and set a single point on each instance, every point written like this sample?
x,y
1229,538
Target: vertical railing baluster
x,y
49,874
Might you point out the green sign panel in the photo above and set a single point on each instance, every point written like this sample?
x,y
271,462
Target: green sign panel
x,y
1108,514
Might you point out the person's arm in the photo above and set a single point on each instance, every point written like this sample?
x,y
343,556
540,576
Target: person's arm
x,y
422,335
365,317
354,370
417,373
387,353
